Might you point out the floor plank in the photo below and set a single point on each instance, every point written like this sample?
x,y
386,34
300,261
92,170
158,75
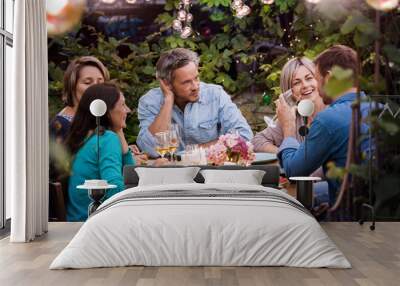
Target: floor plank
x,y
374,255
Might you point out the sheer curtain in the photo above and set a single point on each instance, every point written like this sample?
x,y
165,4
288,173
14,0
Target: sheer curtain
x,y
27,124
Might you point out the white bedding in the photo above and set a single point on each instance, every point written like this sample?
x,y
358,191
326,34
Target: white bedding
x,y
183,231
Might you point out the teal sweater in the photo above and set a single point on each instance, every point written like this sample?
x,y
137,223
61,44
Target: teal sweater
x,y
85,167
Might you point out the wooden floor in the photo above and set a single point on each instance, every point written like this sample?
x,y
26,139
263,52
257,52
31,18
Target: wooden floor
x,y
375,256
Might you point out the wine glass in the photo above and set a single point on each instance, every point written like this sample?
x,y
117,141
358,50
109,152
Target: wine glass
x,y
173,139
162,143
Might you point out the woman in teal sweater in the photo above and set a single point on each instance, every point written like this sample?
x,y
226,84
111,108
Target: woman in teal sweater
x,y
82,143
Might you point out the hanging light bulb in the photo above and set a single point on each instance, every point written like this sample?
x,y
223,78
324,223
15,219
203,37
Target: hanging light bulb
x,y
130,1
383,5
181,15
177,25
189,17
186,32
108,1
243,11
267,2
313,1
237,4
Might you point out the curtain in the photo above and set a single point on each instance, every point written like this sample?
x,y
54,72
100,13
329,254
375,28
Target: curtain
x,y
27,124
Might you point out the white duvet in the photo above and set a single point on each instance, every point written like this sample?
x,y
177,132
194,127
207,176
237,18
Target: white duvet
x,y
187,231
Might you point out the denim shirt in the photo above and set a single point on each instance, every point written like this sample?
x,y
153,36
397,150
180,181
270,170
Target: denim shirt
x,y
327,141
202,121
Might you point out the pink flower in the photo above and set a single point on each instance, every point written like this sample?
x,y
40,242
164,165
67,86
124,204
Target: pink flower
x,y
231,145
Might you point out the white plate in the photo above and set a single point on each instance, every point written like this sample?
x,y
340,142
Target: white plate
x,y
305,178
86,187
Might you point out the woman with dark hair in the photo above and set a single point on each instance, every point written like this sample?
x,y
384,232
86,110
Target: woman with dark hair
x,y
80,74
82,143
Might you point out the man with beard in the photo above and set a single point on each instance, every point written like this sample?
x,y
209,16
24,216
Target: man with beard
x,y
202,111
328,136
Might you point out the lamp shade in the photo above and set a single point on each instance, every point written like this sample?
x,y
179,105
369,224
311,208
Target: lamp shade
x,y
305,107
98,107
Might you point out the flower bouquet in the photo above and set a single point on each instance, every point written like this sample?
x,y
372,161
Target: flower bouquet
x,y
231,148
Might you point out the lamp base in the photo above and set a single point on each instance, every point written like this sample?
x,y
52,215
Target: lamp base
x,y
304,190
96,195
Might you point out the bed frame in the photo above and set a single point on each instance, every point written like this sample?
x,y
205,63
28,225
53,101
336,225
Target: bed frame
x,y
270,179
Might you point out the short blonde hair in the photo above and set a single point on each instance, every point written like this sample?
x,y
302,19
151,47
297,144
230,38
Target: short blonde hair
x,y
290,68
71,76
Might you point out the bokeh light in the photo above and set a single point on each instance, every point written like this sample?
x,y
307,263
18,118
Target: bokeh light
x,y
55,7
313,1
383,5
63,15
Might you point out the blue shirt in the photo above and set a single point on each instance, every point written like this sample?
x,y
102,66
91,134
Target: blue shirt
x,y
327,141
202,121
85,167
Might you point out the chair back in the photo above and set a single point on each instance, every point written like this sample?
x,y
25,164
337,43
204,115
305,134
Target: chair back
x,y
58,200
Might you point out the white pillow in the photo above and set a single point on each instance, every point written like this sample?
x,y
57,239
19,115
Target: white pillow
x,y
166,176
248,177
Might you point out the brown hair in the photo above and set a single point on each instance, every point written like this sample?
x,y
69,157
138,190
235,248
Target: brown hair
x,y
338,55
71,76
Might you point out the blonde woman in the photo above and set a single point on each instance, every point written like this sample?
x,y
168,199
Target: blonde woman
x,y
298,74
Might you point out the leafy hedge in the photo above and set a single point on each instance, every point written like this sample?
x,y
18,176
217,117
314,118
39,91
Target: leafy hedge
x,y
240,54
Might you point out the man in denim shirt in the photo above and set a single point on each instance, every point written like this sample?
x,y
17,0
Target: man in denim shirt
x,y
329,131
202,111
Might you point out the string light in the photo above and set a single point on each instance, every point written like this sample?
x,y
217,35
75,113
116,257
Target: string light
x,y
186,32
243,11
240,8
183,19
181,15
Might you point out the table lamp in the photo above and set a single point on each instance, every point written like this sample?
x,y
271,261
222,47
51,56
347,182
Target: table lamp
x,y
304,185
305,108
98,108
96,188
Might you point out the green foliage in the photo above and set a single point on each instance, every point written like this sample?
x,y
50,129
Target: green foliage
x,y
340,80
229,56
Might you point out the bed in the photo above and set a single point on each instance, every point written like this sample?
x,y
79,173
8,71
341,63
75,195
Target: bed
x,y
201,224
